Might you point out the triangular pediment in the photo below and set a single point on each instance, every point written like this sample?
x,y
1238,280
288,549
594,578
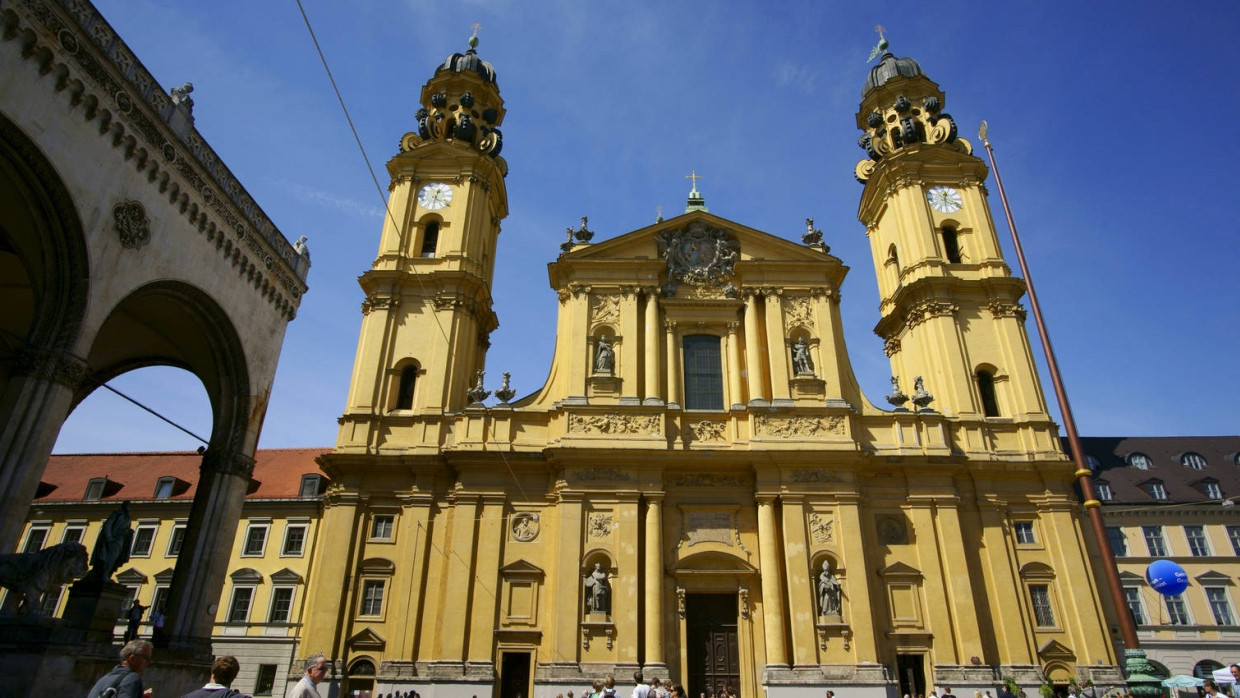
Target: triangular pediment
x,y
285,576
1213,578
1127,577
164,576
899,569
367,639
130,577
1054,649
521,569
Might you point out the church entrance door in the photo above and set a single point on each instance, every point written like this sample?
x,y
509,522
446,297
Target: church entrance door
x,y
713,652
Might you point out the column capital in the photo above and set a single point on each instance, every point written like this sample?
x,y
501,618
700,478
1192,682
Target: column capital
x,y
50,365
765,497
654,497
733,327
669,325
227,462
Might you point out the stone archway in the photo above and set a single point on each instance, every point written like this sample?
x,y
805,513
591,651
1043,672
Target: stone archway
x,y
44,264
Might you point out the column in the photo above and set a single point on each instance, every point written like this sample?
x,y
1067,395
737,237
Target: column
x,y
203,563
577,316
651,367
734,367
772,583
626,591
566,583
802,585
777,350
654,580
628,351
832,368
753,352
958,578
486,592
673,366
859,614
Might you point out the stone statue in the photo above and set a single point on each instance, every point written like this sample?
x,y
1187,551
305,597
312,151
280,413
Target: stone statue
x,y
921,398
300,247
800,359
112,546
598,591
477,393
31,575
180,96
604,357
828,592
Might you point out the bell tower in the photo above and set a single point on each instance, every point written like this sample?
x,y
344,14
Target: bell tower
x,y
950,307
427,316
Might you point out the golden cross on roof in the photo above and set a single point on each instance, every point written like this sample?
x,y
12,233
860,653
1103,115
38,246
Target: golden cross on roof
x,y
693,175
878,28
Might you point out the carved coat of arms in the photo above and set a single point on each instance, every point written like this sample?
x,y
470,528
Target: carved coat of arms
x,y
699,255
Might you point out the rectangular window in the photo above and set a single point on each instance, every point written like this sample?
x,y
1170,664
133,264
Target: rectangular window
x,y
266,680
94,488
163,488
1233,534
294,541
239,609
1118,541
703,373
381,527
1177,613
309,486
51,602
1132,595
1040,594
143,538
1157,491
281,605
159,600
1197,543
1212,490
255,540
1103,490
131,593
175,541
1154,540
372,597
73,534
35,539
1024,532
1219,605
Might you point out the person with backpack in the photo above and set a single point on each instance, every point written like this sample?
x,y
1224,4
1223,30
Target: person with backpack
x,y
125,681
223,670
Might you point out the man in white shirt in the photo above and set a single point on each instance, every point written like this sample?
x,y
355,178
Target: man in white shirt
x,y
316,671
641,689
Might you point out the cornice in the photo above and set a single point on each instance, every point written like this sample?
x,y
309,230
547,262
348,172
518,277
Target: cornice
x,y
98,72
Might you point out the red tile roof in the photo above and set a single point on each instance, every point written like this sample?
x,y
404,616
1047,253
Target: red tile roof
x,y
277,470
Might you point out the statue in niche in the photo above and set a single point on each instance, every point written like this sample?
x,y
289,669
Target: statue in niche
x,y
598,591
828,592
800,359
604,357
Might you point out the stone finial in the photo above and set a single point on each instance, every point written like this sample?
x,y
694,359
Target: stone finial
x,y
920,397
897,397
505,393
477,393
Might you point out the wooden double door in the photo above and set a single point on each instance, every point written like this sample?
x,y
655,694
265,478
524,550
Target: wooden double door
x,y
713,650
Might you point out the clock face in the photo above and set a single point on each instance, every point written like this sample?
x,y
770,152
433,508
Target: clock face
x,y
435,196
945,199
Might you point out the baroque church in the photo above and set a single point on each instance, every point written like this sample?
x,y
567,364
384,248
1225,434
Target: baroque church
x,y
700,490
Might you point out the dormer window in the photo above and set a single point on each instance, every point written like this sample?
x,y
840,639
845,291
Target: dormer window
x,y
1211,489
1092,463
94,489
1156,490
1193,460
163,488
1139,461
311,485
1103,491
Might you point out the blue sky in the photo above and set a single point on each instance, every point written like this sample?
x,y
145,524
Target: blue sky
x,y
1111,122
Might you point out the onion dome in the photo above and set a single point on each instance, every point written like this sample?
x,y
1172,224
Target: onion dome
x,y
461,62
889,67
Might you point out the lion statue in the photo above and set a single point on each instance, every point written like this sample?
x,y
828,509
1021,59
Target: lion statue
x,y
35,574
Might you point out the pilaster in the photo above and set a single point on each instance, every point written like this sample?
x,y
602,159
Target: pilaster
x,y
753,353
801,606
654,579
777,350
735,370
773,622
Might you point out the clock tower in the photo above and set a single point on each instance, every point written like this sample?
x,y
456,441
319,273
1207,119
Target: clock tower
x,y
427,315
950,307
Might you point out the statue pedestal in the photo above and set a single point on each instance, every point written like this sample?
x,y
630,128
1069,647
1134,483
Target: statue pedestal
x,y
95,607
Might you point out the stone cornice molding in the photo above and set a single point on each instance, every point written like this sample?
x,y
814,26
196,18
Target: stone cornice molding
x,y
101,75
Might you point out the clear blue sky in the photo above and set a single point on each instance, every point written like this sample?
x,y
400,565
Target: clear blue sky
x,y
1112,122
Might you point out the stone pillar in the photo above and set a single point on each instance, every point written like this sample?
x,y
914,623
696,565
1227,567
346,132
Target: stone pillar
x,y
33,406
459,568
651,367
959,582
777,351
772,584
566,583
673,366
627,352
734,367
753,353
486,592
327,600
859,613
193,597
802,582
654,580
415,547
578,314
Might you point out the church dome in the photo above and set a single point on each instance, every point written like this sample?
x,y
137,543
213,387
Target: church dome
x,y
889,67
460,62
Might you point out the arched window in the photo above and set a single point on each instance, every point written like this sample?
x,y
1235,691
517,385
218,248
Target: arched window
x,y
1139,461
894,258
986,389
1193,460
951,246
703,373
404,396
430,240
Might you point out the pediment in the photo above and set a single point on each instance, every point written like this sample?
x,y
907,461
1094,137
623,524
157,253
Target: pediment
x,y
246,575
367,639
1127,577
899,569
131,577
1037,570
1054,649
377,565
712,563
521,569
285,576
1213,578
164,576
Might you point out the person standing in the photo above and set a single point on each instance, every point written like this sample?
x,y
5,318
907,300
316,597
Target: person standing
x,y
308,687
135,620
947,692
640,688
125,681
223,671
157,625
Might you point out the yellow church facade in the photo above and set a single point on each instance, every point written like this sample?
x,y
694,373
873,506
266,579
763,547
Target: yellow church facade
x,y
700,490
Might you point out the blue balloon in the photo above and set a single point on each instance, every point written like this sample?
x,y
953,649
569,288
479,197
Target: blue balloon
x,y
1167,578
